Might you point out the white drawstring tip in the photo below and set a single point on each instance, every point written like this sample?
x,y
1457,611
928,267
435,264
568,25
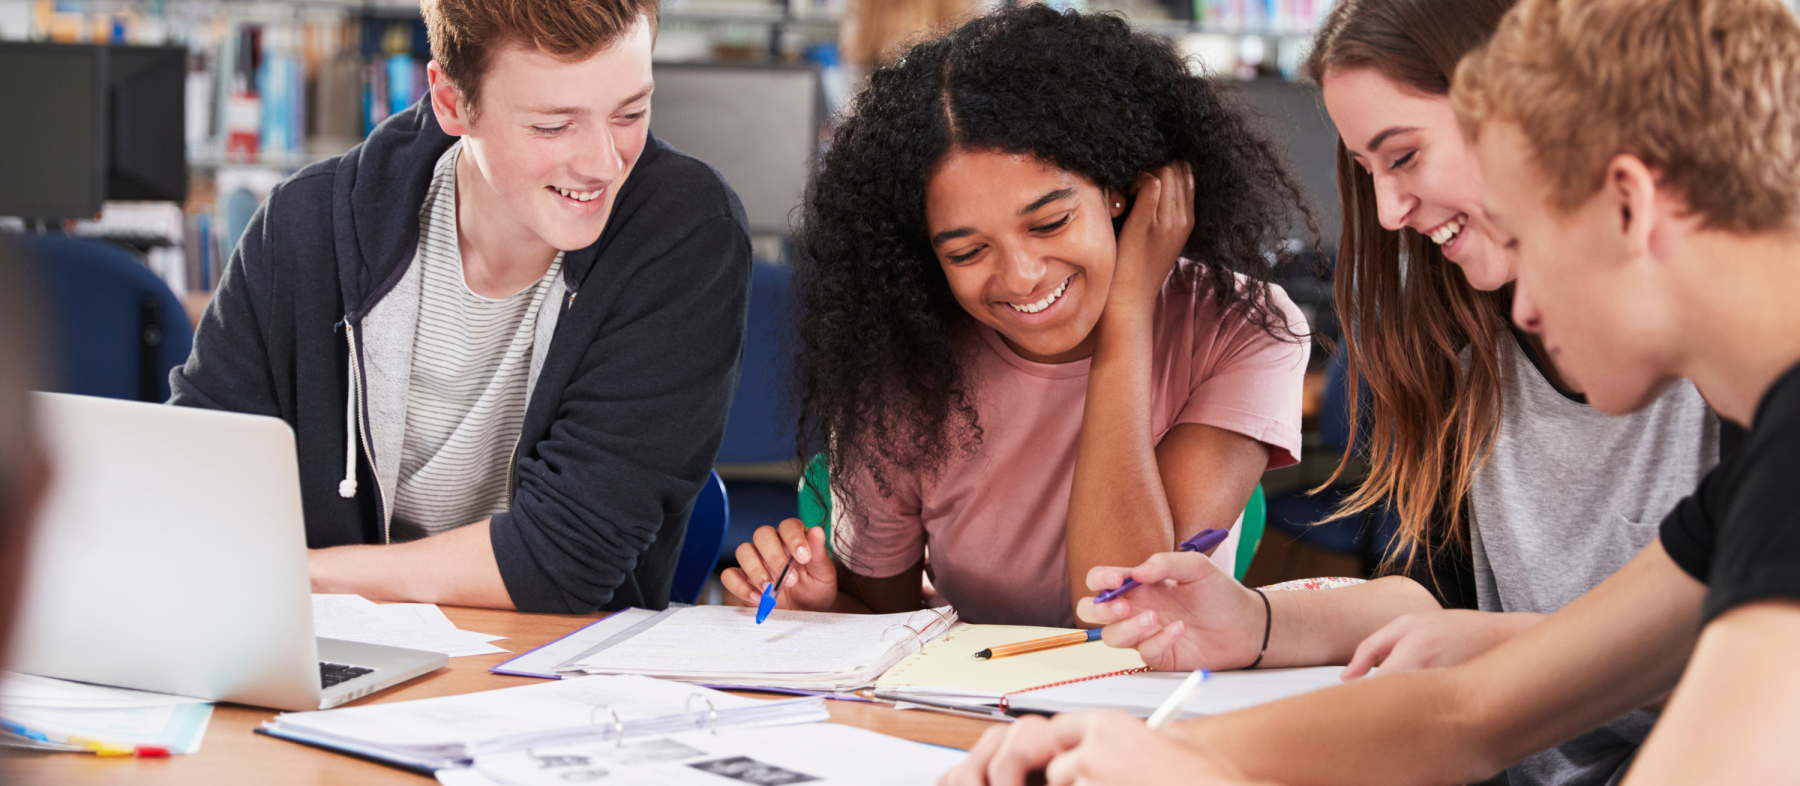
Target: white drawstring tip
x,y
347,488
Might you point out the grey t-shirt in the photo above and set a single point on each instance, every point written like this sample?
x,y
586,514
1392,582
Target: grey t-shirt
x,y
471,365
1568,496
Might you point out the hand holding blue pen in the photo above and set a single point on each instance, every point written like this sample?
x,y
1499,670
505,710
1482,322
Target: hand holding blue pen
x,y
788,567
1202,542
767,604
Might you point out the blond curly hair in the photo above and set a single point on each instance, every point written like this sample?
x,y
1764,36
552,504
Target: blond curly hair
x,y
1705,92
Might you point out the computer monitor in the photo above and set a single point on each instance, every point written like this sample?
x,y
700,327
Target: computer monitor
x,y
757,124
146,87
52,130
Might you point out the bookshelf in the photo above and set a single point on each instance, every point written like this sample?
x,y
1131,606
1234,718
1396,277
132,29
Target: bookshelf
x,y
275,85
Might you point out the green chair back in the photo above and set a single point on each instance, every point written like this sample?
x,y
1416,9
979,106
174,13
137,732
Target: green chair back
x,y
1256,516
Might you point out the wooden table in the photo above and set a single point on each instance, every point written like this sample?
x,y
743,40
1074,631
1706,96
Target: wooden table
x,y
232,754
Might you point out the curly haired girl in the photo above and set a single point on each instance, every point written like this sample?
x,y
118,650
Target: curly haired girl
x,y
1037,330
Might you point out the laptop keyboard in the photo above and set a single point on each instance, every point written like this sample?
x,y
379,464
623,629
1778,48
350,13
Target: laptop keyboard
x,y
335,673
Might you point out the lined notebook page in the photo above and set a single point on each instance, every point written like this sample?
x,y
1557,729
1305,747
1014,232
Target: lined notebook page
x,y
950,661
725,640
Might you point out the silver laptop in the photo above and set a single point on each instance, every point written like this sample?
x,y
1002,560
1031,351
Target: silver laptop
x,y
171,557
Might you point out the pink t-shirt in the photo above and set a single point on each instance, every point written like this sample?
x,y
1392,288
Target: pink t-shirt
x,y
994,520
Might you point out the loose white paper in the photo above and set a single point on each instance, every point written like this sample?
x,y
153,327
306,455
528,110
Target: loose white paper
x,y
542,662
60,709
418,626
26,690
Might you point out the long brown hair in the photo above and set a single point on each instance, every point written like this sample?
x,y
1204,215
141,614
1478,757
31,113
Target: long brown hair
x,y
1408,312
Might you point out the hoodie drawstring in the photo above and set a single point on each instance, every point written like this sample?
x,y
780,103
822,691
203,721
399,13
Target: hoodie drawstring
x,y
347,488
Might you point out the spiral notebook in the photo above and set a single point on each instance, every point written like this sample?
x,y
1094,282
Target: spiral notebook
x,y
724,646
945,674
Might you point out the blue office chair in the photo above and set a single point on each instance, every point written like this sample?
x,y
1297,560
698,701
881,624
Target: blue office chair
x,y
1368,537
757,432
705,541
115,328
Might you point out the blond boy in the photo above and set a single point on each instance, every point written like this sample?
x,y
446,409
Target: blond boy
x,y
505,328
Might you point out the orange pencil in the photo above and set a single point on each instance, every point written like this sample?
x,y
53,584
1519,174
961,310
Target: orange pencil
x,y
1078,637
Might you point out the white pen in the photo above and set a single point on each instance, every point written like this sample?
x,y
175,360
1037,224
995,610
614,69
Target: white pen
x,y
1172,706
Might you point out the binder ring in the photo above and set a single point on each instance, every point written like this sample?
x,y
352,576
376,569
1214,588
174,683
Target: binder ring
x,y
618,725
712,715
913,631
941,617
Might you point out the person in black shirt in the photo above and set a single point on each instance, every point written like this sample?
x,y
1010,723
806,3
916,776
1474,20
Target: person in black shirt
x,y
1640,159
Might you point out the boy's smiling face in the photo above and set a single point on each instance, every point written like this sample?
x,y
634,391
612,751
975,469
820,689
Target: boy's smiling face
x,y
554,141
1588,280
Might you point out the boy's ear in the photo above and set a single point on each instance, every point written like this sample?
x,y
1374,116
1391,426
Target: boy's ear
x,y
1632,187
446,102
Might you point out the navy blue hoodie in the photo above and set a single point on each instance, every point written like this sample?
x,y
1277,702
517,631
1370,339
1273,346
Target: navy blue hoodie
x,y
629,405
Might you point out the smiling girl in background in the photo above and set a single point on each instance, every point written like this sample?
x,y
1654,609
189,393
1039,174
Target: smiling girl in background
x,y
1037,328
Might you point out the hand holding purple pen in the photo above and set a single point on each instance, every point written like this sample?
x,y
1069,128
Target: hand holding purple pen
x,y
1203,541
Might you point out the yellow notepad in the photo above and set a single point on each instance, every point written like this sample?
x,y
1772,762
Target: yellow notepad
x,y
950,662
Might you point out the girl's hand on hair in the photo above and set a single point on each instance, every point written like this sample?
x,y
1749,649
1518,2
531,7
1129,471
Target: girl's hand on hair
x,y
1087,748
1189,614
1436,639
811,584
1162,217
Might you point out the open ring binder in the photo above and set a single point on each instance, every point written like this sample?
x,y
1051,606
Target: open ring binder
x,y
918,633
618,725
435,733
941,617
908,628
712,715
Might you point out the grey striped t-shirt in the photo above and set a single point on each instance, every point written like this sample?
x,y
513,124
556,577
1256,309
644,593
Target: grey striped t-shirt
x,y
471,366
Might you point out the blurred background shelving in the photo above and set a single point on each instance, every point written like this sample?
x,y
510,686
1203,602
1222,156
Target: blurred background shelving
x,y
272,85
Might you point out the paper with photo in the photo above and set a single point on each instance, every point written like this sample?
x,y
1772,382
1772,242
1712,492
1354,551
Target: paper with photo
x,y
823,754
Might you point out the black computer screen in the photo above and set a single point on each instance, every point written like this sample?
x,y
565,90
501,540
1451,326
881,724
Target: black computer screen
x,y
148,148
52,130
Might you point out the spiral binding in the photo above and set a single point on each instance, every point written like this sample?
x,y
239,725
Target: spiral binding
x,y
1005,705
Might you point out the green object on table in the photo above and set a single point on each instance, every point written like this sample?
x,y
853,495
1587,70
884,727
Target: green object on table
x,y
815,511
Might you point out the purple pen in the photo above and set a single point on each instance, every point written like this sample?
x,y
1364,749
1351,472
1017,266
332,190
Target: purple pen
x,y
1201,541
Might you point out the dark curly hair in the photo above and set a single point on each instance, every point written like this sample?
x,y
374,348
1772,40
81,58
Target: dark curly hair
x,y
877,373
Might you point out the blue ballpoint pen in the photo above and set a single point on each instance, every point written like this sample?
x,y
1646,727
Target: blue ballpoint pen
x,y
767,604
1200,542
